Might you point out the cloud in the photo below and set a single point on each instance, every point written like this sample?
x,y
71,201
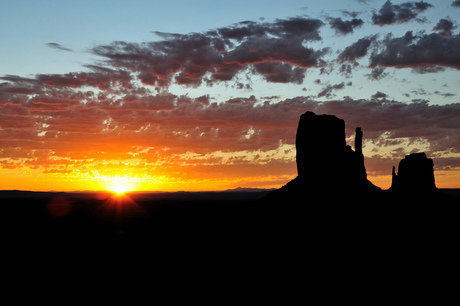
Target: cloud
x,y
58,47
395,14
444,27
421,51
328,90
74,130
219,55
456,3
428,69
350,14
346,69
99,77
377,74
141,118
379,94
342,27
356,50
445,95
280,72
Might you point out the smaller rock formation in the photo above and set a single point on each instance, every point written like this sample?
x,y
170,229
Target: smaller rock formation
x,y
324,161
415,173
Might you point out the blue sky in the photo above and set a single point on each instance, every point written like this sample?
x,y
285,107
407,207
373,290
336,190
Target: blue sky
x,y
28,26
181,82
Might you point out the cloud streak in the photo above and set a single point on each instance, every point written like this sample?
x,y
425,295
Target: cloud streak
x,y
58,47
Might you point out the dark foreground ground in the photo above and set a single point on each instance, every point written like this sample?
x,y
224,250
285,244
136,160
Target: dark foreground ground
x,y
385,247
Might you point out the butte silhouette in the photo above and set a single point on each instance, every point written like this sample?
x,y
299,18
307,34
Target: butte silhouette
x,y
329,168
350,232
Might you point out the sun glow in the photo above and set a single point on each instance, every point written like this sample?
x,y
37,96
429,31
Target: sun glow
x,y
119,188
119,185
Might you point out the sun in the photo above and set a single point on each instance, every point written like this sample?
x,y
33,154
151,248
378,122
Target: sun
x,y
118,184
120,188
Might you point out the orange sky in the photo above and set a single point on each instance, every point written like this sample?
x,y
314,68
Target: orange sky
x,y
73,139
189,172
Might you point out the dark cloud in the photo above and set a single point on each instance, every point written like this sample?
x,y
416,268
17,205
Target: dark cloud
x,y
342,27
444,27
377,74
218,55
58,47
304,28
346,69
379,94
280,72
456,3
428,69
393,13
350,14
418,52
419,91
329,89
445,95
101,78
356,50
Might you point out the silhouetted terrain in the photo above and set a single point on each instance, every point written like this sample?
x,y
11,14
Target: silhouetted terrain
x,y
379,248
329,232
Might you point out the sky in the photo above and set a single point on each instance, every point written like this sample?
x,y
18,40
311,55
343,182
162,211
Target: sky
x,y
206,95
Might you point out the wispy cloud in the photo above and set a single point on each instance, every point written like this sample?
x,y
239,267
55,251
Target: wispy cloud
x,y
58,47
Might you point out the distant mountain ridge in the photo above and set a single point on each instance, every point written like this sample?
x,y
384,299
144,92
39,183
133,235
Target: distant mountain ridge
x,y
248,189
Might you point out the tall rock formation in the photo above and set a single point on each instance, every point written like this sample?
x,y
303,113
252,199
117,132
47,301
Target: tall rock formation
x,y
415,173
323,158
320,144
325,164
